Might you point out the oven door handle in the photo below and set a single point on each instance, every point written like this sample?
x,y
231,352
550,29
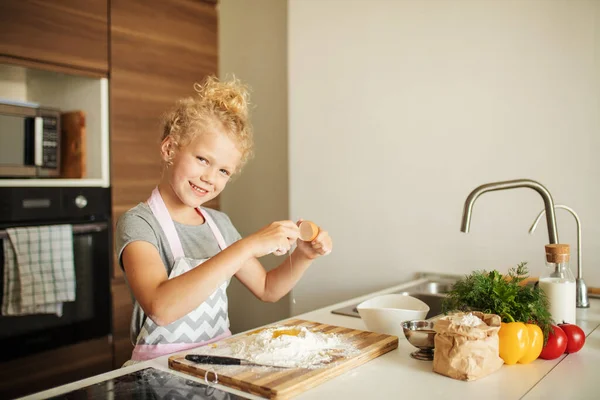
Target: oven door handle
x,y
77,228
38,142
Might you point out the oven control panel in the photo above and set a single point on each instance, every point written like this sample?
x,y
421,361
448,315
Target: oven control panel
x,y
51,204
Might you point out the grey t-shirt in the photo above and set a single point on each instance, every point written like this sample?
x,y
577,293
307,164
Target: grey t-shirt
x,y
198,241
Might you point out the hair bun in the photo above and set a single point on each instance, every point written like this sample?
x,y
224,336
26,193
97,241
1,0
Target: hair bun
x,y
230,96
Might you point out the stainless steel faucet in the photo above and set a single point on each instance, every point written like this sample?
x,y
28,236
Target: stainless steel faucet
x,y
582,294
488,187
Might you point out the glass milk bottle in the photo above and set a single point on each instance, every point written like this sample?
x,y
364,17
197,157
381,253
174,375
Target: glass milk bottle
x,y
559,284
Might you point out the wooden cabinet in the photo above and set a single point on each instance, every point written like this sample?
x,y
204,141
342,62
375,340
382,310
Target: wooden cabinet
x,y
122,307
64,34
159,49
55,367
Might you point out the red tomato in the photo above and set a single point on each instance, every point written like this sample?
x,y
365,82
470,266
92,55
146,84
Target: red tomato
x,y
556,345
575,337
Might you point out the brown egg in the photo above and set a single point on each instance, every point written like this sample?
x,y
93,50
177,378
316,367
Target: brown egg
x,y
308,230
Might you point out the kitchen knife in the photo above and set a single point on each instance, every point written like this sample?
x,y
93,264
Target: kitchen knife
x,y
221,360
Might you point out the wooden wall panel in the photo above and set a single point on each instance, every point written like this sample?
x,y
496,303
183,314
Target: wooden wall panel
x,y
122,307
67,33
159,49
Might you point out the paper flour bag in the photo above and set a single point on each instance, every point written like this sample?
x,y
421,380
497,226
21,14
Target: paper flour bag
x,y
467,345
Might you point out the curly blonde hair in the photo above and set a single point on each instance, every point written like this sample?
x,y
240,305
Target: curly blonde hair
x,y
217,102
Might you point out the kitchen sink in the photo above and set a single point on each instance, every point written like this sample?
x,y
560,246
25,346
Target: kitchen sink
x,y
432,292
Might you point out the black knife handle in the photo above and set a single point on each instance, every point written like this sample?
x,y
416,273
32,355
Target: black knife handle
x,y
220,360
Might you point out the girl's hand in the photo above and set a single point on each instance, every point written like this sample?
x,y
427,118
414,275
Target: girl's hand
x,y
277,238
319,246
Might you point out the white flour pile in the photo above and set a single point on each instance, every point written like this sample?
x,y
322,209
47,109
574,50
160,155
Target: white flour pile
x,y
300,348
467,320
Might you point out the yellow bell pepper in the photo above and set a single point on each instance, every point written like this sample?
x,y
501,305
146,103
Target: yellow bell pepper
x,y
519,342
536,343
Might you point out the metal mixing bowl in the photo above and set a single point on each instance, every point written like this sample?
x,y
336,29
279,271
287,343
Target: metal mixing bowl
x,y
420,334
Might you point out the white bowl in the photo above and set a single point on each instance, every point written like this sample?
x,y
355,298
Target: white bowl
x,y
385,314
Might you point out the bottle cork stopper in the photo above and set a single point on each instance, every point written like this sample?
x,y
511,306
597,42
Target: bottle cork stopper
x,y
558,253
308,230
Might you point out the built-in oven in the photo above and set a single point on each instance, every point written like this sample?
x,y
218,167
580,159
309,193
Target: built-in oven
x,y
88,211
29,140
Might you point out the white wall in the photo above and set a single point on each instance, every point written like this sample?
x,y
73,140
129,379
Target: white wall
x,y
397,110
253,46
13,84
406,106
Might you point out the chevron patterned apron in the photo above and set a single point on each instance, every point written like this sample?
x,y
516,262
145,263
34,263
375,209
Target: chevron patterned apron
x,y
206,324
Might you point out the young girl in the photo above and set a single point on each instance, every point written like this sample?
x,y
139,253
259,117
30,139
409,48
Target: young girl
x,y
178,258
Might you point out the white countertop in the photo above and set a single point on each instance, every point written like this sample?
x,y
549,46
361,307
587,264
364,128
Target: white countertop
x,y
396,374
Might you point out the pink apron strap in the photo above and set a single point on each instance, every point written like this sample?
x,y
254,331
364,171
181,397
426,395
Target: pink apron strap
x,y
213,227
160,211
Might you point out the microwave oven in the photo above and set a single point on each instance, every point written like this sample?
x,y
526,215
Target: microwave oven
x,y
29,141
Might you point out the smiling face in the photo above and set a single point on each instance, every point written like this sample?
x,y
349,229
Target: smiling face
x,y
201,169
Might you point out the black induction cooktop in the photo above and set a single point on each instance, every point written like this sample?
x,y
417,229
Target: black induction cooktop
x,y
149,384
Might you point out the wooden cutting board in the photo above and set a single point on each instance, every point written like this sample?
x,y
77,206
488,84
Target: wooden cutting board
x,y
275,383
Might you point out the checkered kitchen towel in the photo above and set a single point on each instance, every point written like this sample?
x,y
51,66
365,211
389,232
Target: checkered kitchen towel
x,y
39,271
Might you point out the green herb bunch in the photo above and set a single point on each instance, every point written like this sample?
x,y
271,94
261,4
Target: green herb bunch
x,y
492,292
